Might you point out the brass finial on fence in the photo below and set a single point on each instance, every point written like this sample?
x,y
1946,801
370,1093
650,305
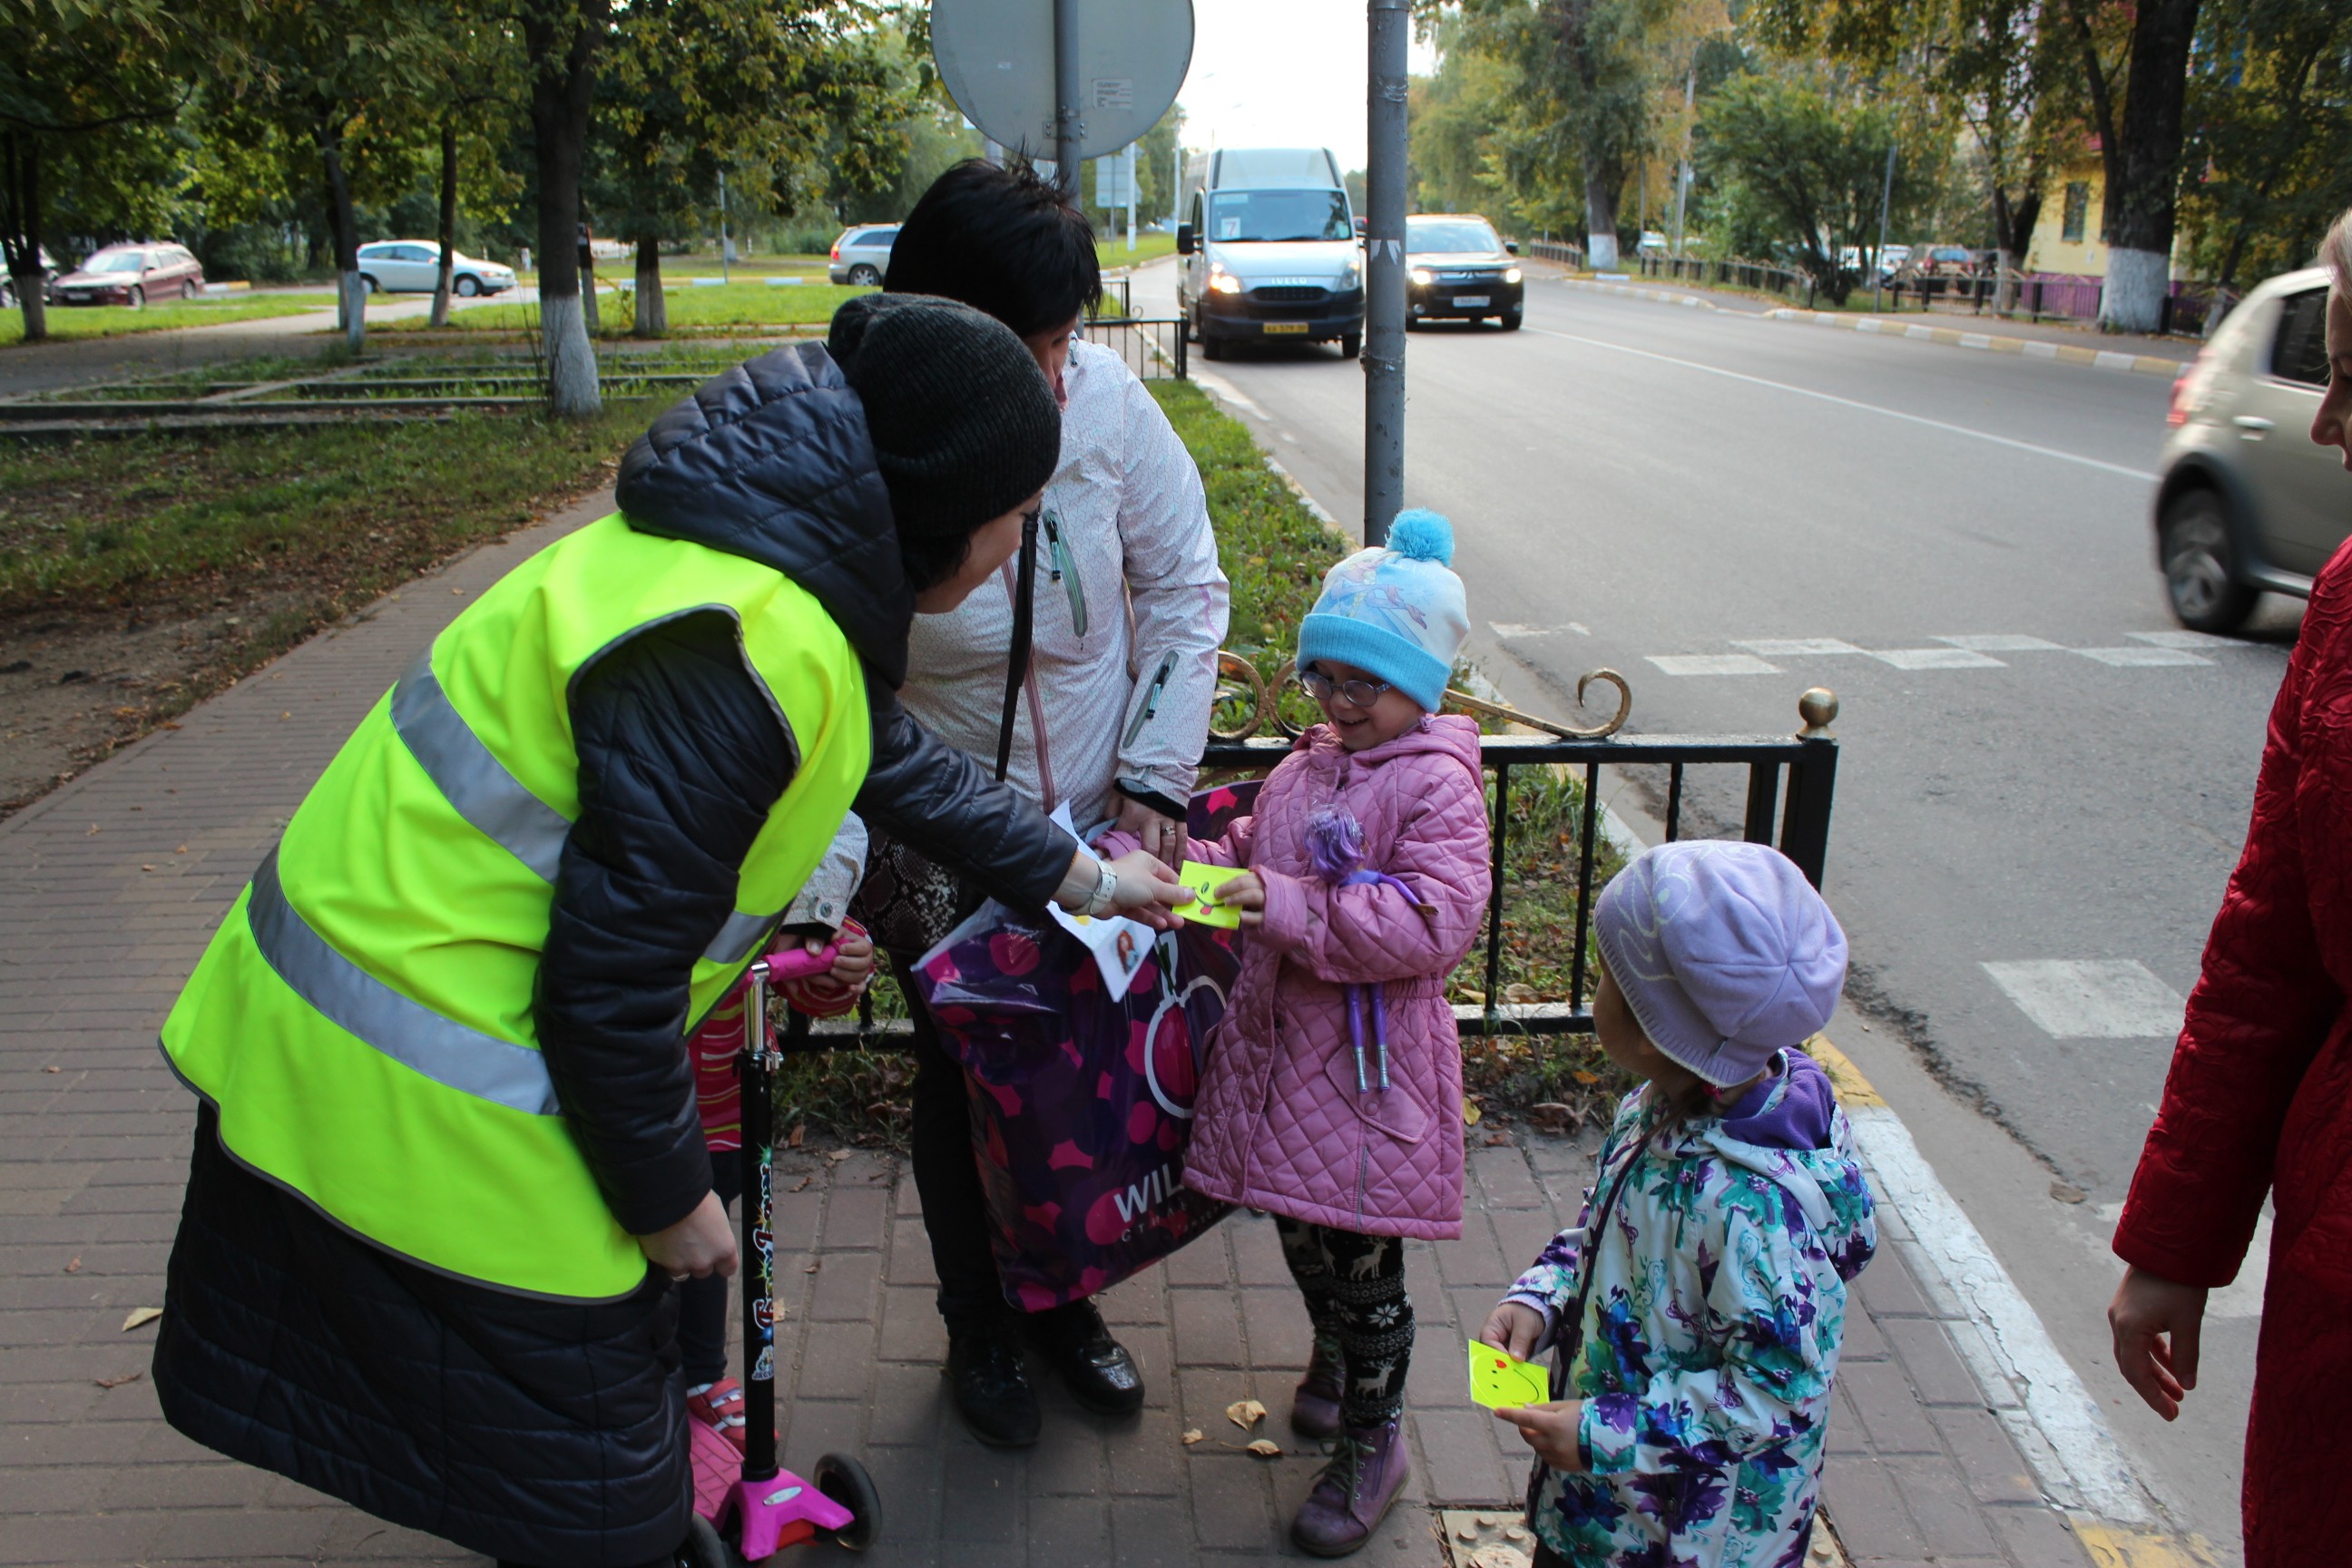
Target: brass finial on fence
x,y
1818,708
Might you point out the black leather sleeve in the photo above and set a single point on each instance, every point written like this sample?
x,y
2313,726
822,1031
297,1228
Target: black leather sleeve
x,y
681,757
940,800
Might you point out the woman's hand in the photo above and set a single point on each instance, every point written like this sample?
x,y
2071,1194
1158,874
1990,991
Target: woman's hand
x,y
1246,893
1551,1431
1163,837
700,1245
2156,1324
1148,891
1513,1327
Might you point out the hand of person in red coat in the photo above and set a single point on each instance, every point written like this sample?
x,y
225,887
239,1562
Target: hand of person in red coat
x,y
2156,1324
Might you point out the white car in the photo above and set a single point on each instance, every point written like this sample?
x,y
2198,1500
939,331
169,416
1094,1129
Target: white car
x,y
413,267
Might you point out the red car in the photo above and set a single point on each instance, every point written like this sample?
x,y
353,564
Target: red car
x,y
131,275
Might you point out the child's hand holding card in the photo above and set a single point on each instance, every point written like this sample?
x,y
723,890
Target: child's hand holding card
x,y
1499,1380
1205,879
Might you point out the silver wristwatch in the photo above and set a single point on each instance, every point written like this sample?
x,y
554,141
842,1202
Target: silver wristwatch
x,y
1105,892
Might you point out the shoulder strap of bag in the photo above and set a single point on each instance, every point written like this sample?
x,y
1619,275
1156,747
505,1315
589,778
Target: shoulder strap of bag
x,y
1016,667
1572,1339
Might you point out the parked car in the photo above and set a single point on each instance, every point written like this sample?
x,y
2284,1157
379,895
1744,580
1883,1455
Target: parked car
x,y
1939,261
48,281
413,267
2247,502
862,255
1269,248
1460,268
131,275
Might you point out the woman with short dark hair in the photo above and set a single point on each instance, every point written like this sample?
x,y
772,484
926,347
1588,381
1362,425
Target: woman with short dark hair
x,y
1129,610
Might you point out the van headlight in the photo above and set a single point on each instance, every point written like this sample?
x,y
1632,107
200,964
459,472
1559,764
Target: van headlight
x,y
1353,278
1222,282
1423,276
1511,275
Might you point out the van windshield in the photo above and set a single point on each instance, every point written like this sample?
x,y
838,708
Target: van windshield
x,y
1279,214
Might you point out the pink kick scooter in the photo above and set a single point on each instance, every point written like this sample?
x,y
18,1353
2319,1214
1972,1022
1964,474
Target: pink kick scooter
x,y
761,1507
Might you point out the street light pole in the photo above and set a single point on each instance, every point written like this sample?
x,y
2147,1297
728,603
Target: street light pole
x,y
1067,127
1885,200
1683,170
1384,272
725,275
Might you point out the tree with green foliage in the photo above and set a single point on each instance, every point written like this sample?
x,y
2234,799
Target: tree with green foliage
x,y
2270,107
560,43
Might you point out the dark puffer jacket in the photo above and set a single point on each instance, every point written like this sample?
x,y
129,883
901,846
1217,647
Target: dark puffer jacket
x,y
547,1433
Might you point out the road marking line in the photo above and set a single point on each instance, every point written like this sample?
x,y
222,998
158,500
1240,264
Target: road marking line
x,y
1514,629
1935,659
1975,341
1794,647
2028,1386
1949,430
2001,642
2140,658
1712,664
2185,640
2091,999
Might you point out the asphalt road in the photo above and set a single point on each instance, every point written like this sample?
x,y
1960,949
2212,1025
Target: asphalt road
x,y
2039,774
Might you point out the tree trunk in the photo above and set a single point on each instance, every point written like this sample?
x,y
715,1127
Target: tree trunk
x,y
1604,176
590,310
20,231
653,310
561,37
350,288
2145,170
448,232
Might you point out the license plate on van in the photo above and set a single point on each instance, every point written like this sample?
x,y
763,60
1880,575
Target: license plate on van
x,y
1274,327
1469,299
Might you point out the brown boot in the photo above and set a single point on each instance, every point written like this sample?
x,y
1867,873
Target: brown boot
x,y
1314,1407
1354,1493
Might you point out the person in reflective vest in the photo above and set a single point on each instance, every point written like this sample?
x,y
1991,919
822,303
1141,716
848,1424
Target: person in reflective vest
x,y
447,1164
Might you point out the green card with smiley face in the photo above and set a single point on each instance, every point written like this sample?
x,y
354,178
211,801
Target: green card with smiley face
x,y
1500,1381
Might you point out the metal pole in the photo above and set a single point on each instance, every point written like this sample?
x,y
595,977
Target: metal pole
x,y
725,276
1885,200
1683,173
1132,183
1384,275
1067,128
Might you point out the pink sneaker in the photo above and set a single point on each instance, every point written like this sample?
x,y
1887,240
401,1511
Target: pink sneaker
x,y
720,1408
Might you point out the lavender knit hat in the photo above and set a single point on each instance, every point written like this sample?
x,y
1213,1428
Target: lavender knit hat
x,y
1724,951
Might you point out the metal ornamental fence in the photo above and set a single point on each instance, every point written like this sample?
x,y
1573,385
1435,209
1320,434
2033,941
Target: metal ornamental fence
x,y
1153,347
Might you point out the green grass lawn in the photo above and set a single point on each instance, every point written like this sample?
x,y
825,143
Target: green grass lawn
x,y
116,320
727,305
1148,247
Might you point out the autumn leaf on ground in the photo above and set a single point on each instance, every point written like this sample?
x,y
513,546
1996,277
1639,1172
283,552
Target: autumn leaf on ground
x,y
119,1381
75,1267
1192,1435
1266,1448
140,1315
1244,1412
799,1129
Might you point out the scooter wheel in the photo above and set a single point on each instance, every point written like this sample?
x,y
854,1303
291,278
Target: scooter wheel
x,y
704,1548
844,1480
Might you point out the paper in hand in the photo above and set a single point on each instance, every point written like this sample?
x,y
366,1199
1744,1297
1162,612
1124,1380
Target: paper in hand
x,y
1205,879
1500,1381
1119,945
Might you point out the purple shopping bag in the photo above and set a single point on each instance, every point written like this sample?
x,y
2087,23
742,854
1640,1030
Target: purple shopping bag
x,y
1081,1103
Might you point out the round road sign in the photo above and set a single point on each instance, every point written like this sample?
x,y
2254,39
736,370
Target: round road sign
x,y
997,60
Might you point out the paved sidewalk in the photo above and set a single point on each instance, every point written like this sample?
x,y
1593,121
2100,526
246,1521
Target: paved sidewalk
x,y
107,890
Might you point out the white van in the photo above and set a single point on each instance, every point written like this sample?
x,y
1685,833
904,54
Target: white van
x,y
1271,250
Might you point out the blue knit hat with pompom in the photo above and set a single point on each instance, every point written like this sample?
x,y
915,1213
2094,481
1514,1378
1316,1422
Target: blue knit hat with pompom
x,y
1396,612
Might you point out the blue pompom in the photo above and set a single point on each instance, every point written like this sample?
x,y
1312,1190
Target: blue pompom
x,y
1423,535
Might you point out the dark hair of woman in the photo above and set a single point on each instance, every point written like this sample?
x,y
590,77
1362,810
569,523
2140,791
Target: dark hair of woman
x,y
999,240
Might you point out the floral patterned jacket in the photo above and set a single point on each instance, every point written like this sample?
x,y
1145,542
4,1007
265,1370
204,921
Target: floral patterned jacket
x,y
1710,1334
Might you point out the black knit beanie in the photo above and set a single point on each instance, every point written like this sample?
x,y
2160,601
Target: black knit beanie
x,y
964,425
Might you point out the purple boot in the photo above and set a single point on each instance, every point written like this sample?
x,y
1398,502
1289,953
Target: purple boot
x,y
1314,1407
1354,1493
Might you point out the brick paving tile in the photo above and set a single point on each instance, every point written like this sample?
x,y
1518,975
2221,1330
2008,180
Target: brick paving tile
x,y
92,1158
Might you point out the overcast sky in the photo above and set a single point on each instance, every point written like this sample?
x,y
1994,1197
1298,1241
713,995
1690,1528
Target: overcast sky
x,y
1280,73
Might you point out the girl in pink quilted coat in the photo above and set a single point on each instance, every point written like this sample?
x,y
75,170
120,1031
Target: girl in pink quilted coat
x,y
1331,1096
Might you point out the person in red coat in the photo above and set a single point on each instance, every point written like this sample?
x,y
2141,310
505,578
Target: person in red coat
x,y
2259,1094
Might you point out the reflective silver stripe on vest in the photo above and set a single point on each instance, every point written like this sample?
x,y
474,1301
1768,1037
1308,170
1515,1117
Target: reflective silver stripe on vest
x,y
478,787
408,1032
476,783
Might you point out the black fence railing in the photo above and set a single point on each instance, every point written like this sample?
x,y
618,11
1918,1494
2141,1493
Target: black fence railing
x,y
1794,817
1153,347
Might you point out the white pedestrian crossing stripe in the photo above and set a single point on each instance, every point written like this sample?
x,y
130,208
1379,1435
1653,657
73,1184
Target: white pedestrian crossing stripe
x,y
2001,642
1794,647
2188,640
1713,664
1937,659
2140,658
2091,999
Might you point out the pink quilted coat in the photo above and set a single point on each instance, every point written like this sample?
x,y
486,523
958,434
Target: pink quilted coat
x,y
1279,1123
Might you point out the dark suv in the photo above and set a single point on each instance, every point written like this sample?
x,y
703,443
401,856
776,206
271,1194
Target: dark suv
x,y
2248,501
1460,269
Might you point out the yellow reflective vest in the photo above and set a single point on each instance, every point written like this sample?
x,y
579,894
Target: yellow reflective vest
x,y
363,1019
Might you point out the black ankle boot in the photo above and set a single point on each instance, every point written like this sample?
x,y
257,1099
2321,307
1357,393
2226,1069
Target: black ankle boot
x,y
1101,1375
991,1388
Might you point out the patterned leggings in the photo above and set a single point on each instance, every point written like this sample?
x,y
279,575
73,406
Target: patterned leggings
x,y
1354,1287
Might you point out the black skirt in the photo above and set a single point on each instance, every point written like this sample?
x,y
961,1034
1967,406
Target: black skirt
x,y
536,1431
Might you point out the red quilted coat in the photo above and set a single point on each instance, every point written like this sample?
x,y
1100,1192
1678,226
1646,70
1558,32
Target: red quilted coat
x,y
2260,1097
1280,1124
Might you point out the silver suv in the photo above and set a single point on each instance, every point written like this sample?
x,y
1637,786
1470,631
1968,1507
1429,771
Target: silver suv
x,y
863,255
2248,501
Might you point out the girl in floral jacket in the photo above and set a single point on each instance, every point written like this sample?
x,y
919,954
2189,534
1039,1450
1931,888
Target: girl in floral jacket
x,y
1696,1335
